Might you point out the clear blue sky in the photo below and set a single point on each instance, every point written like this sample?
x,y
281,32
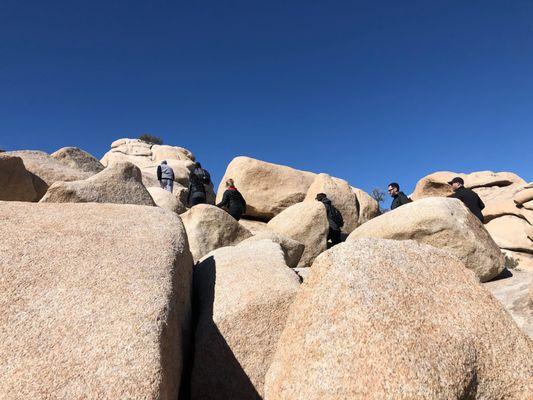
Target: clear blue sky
x,y
367,91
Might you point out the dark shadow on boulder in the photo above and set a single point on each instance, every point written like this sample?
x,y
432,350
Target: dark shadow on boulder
x,y
506,273
216,372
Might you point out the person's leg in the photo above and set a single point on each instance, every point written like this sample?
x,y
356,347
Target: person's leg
x,y
170,185
335,237
197,200
235,213
162,183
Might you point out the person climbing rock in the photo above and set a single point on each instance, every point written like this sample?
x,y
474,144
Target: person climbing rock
x,y
165,176
198,179
470,198
335,220
399,198
233,201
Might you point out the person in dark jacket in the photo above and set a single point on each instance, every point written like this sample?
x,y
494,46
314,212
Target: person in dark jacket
x,y
233,201
198,179
165,176
470,198
335,219
399,198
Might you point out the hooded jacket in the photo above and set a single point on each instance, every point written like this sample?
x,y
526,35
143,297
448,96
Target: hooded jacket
x,y
399,200
330,212
471,200
164,171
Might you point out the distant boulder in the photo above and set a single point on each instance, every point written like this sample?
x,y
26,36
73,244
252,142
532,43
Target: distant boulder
x,y
120,183
166,200
16,182
368,207
78,159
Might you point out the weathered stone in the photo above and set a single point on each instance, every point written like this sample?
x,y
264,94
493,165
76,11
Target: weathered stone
x,y
524,195
268,188
306,223
119,183
511,233
242,295
254,226
208,228
443,223
367,206
292,249
16,183
341,195
164,199
78,159
165,152
95,301
386,319
46,170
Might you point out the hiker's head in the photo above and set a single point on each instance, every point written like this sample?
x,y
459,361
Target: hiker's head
x,y
230,183
164,162
321,197
198,165
393,189
456,183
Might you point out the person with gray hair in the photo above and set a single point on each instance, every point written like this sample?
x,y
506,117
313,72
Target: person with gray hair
x,y
165,176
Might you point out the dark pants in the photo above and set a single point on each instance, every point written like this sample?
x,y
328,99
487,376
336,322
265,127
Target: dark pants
x,y
334,236
235,213
197,199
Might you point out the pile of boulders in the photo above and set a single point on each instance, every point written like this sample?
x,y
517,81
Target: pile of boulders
x,y
122,291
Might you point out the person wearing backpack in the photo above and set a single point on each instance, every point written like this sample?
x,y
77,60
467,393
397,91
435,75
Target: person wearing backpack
x,y
198,179
165,176
233,201
335,220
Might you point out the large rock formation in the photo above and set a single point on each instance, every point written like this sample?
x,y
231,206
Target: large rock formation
x,y
46,170
208,228
268,188
242,296
341,195
148,156
120,183
78,159
16,183
166,200
511,233
292,249
254,226
306,223
443,223
95,301
384,319
367,206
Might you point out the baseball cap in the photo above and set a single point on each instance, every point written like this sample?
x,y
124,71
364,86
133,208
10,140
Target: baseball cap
x,y
457,180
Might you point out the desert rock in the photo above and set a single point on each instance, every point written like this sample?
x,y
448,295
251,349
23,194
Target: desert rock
x,y
78,159
16,183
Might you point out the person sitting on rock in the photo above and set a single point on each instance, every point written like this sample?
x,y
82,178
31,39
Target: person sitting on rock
x,y
233,201
399,198
335,220
198,179
165,176
470,198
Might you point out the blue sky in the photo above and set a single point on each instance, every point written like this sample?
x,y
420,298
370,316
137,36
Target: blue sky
x,y
371,92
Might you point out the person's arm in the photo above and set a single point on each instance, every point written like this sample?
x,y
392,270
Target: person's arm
x,y
225,200
404,200
159,172
480,202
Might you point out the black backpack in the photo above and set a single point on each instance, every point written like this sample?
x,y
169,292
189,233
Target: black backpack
x,y
337,216
203,175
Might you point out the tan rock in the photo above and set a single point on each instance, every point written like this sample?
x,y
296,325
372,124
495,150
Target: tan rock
x,y
243,294
525,262
341,195
78,159
524,195
268,188
528,205
306,223
254,226
95,301
292,249
385,319
443,223
46,170
181,168
367,206
209,227
489,178
511,233
119,183
16,183
164,199
165,152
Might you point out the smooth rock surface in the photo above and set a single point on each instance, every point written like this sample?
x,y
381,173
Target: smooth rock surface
x,y
306,223
511,233
120,183
164,199
98,307
367,206
292,249
16,183
443,223
78,159
387,319
242,296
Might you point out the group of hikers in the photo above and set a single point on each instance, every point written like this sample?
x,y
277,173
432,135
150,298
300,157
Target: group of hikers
x,y
233,201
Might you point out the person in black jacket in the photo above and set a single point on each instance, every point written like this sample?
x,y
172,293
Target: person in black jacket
x,y
470,198
335,219
233,201
399,198
198,178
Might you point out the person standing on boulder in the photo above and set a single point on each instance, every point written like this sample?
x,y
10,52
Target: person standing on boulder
x,y
470,198
165,176
233,201
198,178
399,198
335,220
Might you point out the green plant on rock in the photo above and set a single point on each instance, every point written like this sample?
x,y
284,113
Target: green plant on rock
x,y
145,137
511,262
